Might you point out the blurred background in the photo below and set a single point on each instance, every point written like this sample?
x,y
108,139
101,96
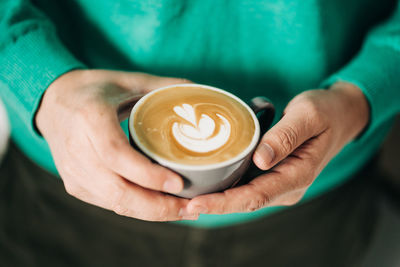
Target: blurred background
x,y
4,131
385,248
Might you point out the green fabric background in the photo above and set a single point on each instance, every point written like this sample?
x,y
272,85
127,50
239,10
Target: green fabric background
x,y
275,48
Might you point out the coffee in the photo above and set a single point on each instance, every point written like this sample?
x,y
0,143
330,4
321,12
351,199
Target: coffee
x,y
193,125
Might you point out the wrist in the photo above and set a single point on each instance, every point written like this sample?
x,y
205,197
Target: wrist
x,y
355,107
49,97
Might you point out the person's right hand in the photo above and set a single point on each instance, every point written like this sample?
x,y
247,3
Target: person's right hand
x,y
79,118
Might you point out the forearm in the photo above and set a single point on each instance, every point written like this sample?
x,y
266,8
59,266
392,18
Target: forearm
x,y
31,56
376,71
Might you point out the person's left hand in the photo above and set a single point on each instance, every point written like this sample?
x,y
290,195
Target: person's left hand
x,y
315,126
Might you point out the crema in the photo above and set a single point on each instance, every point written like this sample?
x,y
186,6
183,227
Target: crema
x,y
193,125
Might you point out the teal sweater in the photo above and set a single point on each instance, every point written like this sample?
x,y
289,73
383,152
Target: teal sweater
x,y
274,48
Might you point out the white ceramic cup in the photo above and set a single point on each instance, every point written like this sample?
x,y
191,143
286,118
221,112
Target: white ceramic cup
x,y
203,179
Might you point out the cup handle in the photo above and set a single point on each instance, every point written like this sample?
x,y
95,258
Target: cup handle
x,y
125,107
265,111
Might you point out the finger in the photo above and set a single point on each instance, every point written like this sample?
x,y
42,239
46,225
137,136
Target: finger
x,y
137,202
144,83
140,84
295,127
114,150
108,190
257,194
288,199
281,186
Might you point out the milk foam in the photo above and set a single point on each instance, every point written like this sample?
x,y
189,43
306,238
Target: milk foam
x,y
196,136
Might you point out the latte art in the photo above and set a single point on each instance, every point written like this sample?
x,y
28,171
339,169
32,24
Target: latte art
x,y
199,135
193,125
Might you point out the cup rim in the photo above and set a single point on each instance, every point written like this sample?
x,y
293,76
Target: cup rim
x,y
182,166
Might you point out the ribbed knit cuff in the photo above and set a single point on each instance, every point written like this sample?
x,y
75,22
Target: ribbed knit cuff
x,y
30,64
376,71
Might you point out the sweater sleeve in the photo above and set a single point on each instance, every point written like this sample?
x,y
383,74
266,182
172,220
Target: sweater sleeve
x,y
376,71
31,57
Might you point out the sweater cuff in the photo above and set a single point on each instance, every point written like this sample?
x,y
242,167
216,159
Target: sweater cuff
x,y
375,72
30,64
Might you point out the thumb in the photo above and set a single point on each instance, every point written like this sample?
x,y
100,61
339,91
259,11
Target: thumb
x,y
280,141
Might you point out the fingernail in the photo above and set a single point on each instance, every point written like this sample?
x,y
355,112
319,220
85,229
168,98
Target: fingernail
x,y
172,185
200,209
265,154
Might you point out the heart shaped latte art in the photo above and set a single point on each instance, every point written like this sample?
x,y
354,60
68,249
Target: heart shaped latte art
x,y
196,134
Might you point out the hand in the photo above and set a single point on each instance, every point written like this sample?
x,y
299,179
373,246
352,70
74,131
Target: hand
x,y
79,118
314,128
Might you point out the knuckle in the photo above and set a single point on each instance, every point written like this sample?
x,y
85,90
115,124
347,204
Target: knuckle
x,y
256,204
260,200
82,194
312,108
76,191
69,188
115,196
287,138
314,113
164,213
121,210
108,152
293,199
